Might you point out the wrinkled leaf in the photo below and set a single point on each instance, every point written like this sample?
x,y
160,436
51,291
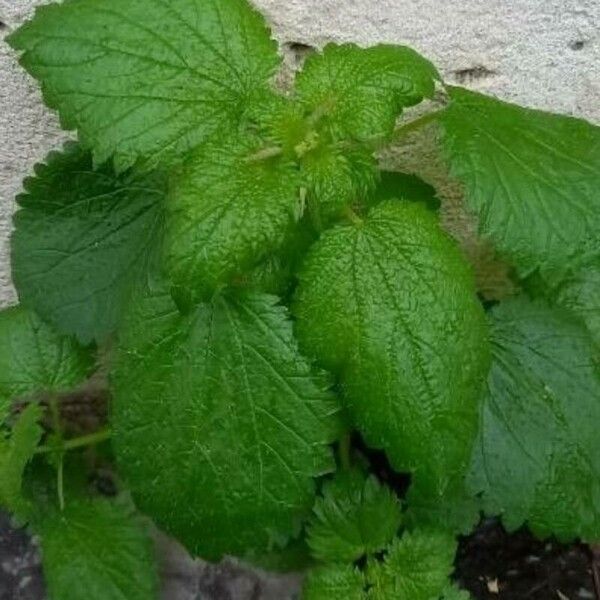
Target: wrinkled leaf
x,y
219,424
96,550
147,79
357,92
335,179
34,358
416,567
355,516
335,582
531,177
82,238
226,213
537,459
389,306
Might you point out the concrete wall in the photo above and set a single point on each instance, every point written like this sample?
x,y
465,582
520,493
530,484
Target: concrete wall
x,y
541,53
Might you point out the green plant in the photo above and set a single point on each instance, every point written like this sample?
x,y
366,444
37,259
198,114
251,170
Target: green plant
x,y
258,290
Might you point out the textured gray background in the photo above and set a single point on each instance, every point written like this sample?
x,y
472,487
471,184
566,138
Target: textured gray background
x,y
541,53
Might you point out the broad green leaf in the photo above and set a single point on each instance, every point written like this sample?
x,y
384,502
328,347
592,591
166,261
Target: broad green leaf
x,y
335,582
219,424
355,516
82,238
15,452
96,550
353,92
537,459
227,212
34,358
390,307
531,177
147,79
404,186
416,567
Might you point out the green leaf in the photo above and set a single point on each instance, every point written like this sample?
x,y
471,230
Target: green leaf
x,y
147,79
537,459
417,567
355,516
96,550
34,358
227,212
15,454
276,274
531,177
580,293
335,582
390,307
405,186
292,558
219,424
452,592
457,511
359,92
82,238
335,178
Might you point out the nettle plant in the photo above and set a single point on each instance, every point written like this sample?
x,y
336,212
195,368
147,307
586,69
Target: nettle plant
x,y
271,309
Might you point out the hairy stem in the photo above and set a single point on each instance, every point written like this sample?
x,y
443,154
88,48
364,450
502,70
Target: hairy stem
x,y
58,450
79,442
379,142
416,124
60,483
344,452
265,154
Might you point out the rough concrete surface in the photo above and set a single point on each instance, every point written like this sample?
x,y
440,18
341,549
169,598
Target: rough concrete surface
x,y
540,53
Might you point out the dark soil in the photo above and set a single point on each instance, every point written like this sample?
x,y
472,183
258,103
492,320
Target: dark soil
x,y
20,569
494,565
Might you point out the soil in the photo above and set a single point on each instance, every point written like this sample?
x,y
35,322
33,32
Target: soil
x,y
494,565
20,568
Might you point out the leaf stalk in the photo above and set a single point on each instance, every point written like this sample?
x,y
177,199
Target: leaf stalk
x,y
80,442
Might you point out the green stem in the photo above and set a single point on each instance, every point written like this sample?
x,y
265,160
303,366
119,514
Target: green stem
x,y
344,452
58,449
79,442
265,154
60,483
55,413
416,124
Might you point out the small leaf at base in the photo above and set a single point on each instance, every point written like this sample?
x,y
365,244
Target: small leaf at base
x,y
355,516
